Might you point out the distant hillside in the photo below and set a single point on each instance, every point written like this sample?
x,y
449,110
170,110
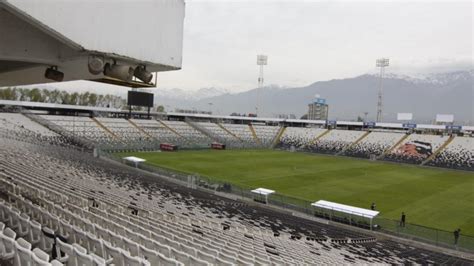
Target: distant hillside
x,y
425,96
449,93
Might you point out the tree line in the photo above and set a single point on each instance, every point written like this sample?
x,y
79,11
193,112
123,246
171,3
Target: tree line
x,y
62,97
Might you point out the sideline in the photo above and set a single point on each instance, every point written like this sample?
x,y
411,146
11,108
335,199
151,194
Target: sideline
x,y
378,235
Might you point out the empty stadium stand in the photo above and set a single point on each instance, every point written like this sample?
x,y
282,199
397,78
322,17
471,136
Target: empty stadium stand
x,y
142,134
375,144
62,206
242,132
266,134
193,136
81,126
17,120
459,154
300,137
335,141
221,135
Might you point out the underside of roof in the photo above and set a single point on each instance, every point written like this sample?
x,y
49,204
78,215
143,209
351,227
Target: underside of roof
x,y
37,35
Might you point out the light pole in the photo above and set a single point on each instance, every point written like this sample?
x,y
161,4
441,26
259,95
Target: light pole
x,y
262,60
382,63
210,108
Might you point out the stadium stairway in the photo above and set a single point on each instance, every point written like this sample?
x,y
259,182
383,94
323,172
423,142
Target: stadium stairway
x,y
148,136
254,134
105,128
170,128
278,136
439,150
95,199
319,137
56,129
393,147
228,131
203,130
45,123
354,143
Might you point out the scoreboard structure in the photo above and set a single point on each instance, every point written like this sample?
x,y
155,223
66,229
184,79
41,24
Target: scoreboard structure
x,y
138,98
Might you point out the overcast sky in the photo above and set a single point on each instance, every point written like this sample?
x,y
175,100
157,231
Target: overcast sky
x,y
308,41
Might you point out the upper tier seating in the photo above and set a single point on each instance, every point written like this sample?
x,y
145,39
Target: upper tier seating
x,y
192,136
416,148
300,137
18,126
138,134
221,135
17,120
123,129
458,154
374,144
242,131
336,141
266,134
80,126
158,131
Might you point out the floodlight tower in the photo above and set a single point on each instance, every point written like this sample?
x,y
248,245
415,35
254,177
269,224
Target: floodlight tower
x,y
261,61
382,63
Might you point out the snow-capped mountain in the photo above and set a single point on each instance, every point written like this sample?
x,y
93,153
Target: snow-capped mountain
x,y
423,95
189,95
439,79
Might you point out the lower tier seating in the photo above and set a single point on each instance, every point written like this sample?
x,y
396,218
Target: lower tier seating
x,y
92,211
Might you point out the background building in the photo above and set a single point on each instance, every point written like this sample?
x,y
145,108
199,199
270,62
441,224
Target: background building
x,y
318,109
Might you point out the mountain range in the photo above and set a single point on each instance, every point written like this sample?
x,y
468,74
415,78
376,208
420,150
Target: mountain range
x,y
349,98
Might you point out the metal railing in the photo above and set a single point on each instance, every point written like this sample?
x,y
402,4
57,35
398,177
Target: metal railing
x,y
429,235
426,234
420,233
58,129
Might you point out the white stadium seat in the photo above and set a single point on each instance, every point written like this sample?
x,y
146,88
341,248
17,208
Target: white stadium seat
x,y
97,212
7,238
24,255
40,258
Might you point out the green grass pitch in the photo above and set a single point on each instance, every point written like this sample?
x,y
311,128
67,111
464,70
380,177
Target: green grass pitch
x,y
438,198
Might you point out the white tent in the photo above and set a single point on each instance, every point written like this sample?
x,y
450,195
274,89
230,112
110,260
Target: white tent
x,y
351,210
263,192
134,160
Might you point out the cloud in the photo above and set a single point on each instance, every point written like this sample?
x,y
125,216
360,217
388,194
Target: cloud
x,y
310,41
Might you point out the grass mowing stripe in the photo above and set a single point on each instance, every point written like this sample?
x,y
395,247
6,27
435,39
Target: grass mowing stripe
x,y
440,198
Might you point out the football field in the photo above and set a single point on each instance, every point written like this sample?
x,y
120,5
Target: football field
x,y
438,198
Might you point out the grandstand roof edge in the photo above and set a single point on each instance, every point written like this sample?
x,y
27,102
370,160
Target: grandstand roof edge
x,y
29,104
58,106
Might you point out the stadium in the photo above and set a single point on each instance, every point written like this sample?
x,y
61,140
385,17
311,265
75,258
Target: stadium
x,y
91,185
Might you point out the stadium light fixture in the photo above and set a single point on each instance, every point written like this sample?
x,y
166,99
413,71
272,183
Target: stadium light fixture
x,y
96,65
142,74
54,74
122,72
381,63
262,60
